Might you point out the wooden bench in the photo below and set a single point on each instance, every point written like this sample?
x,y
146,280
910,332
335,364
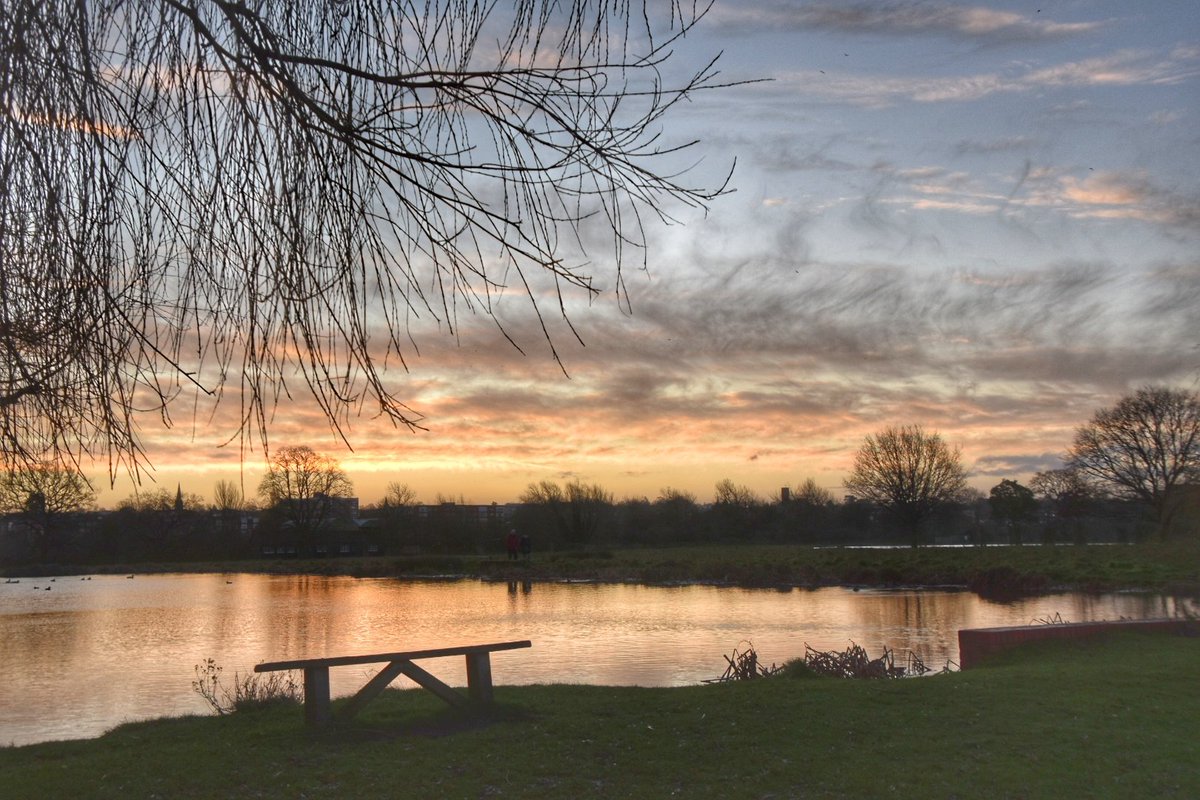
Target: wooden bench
x,y
317,709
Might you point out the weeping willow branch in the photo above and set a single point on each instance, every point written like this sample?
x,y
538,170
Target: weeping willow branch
x,y
201,195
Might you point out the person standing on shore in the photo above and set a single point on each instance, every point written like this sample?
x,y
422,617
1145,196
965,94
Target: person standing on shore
x,y
511,543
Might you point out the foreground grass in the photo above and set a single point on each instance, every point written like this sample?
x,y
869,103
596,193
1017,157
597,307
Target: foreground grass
x,y
1096,720
1172,567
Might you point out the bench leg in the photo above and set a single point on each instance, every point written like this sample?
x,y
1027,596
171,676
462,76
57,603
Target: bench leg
x,y
316,695
479,677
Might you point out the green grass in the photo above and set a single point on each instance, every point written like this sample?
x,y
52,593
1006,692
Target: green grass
x,y
1171,567
1115,719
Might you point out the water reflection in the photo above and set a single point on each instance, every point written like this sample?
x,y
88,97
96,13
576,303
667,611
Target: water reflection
x,y
90,654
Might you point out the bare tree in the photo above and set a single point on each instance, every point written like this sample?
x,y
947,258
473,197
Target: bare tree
x,y
1069,494
909,472
228,496
671,496
577,508
812,494
399,495
302,486
202,196
1144,449
728,493
40,494
161,500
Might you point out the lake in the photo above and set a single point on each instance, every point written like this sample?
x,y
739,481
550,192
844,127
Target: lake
x,y
83,654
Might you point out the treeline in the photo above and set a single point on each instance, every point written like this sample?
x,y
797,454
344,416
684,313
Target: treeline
x,y
581,516
556,518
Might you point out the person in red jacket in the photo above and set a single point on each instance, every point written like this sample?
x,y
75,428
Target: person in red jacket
x,y
511,543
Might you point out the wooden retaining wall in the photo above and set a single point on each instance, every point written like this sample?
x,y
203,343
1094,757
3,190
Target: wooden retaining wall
x,y
976,645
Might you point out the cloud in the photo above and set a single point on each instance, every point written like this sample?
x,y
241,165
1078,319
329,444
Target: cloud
x,y
906,19
1010,465
1124,68
1009,144
1116,195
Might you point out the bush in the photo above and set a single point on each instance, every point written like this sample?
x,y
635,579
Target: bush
x,y
249,691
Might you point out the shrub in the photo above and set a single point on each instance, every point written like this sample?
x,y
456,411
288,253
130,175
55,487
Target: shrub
x,y
249,691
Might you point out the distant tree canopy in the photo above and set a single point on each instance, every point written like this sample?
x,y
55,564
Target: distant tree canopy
x,y
208,197
909,472
1013,505
728,493
1145,448
45,488
228,496
576,508
1067,490
40,494
159,500
300,485
812,494
398,495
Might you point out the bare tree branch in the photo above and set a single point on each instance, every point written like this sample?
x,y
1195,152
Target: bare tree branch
x,y
201,196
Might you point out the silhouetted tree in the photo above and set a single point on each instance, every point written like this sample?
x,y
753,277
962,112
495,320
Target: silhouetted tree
x,y
908,472
728,493
677,515
812,494
1070,497
1012,505
808,514
40,495
1143,449
396,516
398,496
228,496
737,512
161,500
204,195
301,486
577,509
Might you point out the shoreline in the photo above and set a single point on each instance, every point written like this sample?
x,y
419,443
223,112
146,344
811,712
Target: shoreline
x,y
1171,568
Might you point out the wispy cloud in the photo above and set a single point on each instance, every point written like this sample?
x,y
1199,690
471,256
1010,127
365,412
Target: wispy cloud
x,y
1115,195
1124,68
908,19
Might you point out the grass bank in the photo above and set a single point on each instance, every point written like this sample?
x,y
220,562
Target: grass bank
x,y
1172,567
1083,720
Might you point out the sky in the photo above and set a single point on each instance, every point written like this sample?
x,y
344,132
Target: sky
x,y
978,217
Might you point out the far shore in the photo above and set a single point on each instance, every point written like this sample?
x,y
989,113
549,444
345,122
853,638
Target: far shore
x,y
1159,567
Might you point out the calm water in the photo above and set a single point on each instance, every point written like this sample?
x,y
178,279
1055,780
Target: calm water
x,y
89,654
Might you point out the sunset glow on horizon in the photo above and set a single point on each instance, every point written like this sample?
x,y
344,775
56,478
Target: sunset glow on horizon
x,y
981,218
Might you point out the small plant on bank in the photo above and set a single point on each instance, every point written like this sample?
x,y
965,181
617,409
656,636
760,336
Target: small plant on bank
x,y
249,691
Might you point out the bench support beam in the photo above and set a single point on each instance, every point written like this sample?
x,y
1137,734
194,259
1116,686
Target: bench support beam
x,y
427,681
369,692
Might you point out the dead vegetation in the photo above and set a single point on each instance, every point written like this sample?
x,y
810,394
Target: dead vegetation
x,y
744,665
853,662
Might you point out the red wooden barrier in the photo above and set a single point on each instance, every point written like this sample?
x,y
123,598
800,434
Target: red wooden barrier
x,y
975,645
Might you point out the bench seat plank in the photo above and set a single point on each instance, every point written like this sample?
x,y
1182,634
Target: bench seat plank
x,y
342,661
